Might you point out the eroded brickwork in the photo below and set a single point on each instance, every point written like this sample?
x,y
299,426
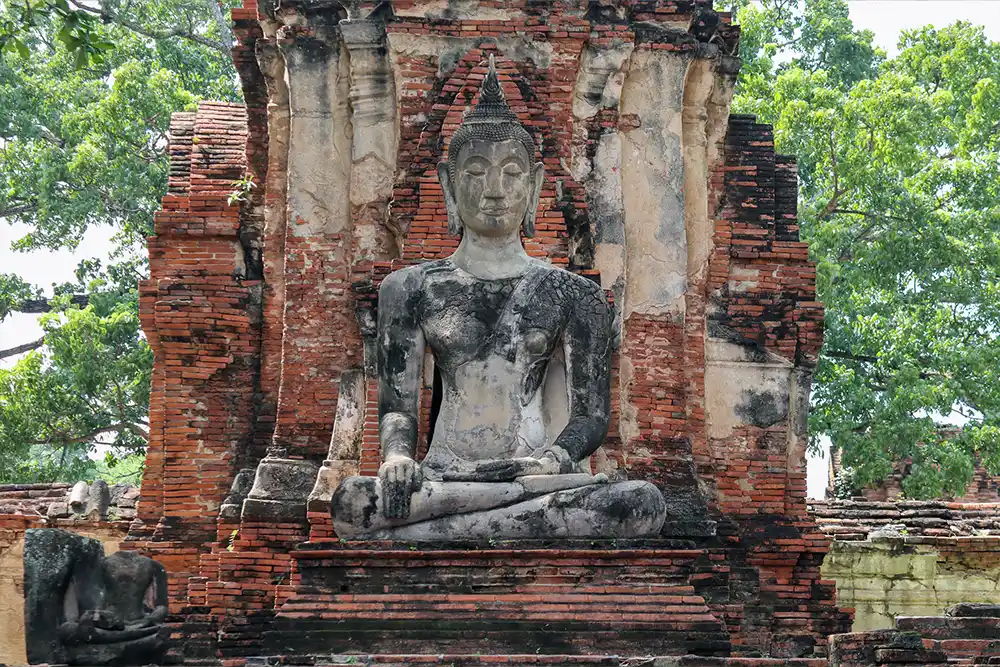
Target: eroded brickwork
x,y
201,315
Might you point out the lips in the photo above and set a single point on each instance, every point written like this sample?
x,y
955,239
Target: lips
x,y
494,210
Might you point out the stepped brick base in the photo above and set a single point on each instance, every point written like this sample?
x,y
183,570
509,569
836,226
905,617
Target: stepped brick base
x,y
581,598
452,660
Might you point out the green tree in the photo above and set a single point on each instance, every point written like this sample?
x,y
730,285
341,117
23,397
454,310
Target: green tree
x,y
899,164
83,143
88,383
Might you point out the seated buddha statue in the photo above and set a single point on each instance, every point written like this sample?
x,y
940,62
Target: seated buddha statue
x,y
522,349
84,608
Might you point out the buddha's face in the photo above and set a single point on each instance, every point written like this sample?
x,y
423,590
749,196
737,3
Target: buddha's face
x,y
494,184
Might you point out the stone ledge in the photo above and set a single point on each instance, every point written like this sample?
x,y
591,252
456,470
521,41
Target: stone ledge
x,y
459,660
948,627
606,549
542,596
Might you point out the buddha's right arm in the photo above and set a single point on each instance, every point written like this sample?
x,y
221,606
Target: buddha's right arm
x,y
400,356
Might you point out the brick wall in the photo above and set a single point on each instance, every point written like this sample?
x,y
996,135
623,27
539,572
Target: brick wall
x,y
914,558
201,314
854,520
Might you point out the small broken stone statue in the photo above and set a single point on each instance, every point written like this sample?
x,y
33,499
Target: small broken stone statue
x,y
84,608
523,353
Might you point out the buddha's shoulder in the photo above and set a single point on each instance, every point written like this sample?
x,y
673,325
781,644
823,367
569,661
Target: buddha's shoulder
x,y
413,276
574,283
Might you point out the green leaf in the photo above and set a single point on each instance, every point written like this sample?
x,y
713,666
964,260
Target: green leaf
x,y
81,58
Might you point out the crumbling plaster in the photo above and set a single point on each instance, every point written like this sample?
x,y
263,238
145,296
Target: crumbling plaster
x,y
652,184
599,87
449,50
319,169
740,391
885,578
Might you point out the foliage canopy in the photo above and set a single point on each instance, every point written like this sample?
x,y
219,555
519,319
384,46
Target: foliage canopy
x,y
899,165
87,94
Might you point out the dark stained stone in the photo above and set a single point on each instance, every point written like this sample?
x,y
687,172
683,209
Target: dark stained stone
x,y
83,608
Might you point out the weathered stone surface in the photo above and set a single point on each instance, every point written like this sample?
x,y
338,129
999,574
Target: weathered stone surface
x,y
98,501
893,576
971,609
281,487
79,496
83,608
243,483
345,442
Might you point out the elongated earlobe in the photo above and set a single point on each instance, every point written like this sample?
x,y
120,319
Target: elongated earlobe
x,y
538,174
454,221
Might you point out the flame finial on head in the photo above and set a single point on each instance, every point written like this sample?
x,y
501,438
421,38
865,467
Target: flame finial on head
x,y
492,106
491,120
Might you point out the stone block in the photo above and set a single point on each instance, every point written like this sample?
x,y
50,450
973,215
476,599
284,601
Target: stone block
x,y
974,610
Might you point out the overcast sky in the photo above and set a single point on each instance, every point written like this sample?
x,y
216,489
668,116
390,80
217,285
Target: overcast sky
x,y
886,18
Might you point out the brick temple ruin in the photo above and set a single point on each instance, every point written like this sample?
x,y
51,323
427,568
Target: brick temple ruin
x,y
261,313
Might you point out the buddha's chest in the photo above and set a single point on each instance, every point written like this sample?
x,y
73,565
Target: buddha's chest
x,y
465,320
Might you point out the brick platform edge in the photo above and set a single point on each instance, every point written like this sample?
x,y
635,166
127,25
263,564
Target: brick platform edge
x,y
453,660
566,597
966,636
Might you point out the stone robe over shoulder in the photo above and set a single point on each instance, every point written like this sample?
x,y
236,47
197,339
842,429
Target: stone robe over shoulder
x,y
493,344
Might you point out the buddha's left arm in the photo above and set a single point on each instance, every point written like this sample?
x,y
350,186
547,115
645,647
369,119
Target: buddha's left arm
x,y
587,348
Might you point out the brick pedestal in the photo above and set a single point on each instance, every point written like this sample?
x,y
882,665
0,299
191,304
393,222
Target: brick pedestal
x,y
581,598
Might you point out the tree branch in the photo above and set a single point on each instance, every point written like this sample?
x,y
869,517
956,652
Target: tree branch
x,y
21,349
139,431
847,355
837,192
831,205
790,42
108,15
866,214
62,462
18,209
220,21
44,305
88,437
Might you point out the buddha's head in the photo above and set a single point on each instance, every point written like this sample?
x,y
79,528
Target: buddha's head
x,y
491,181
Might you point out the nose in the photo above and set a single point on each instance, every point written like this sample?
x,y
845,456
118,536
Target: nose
x,y
494,185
